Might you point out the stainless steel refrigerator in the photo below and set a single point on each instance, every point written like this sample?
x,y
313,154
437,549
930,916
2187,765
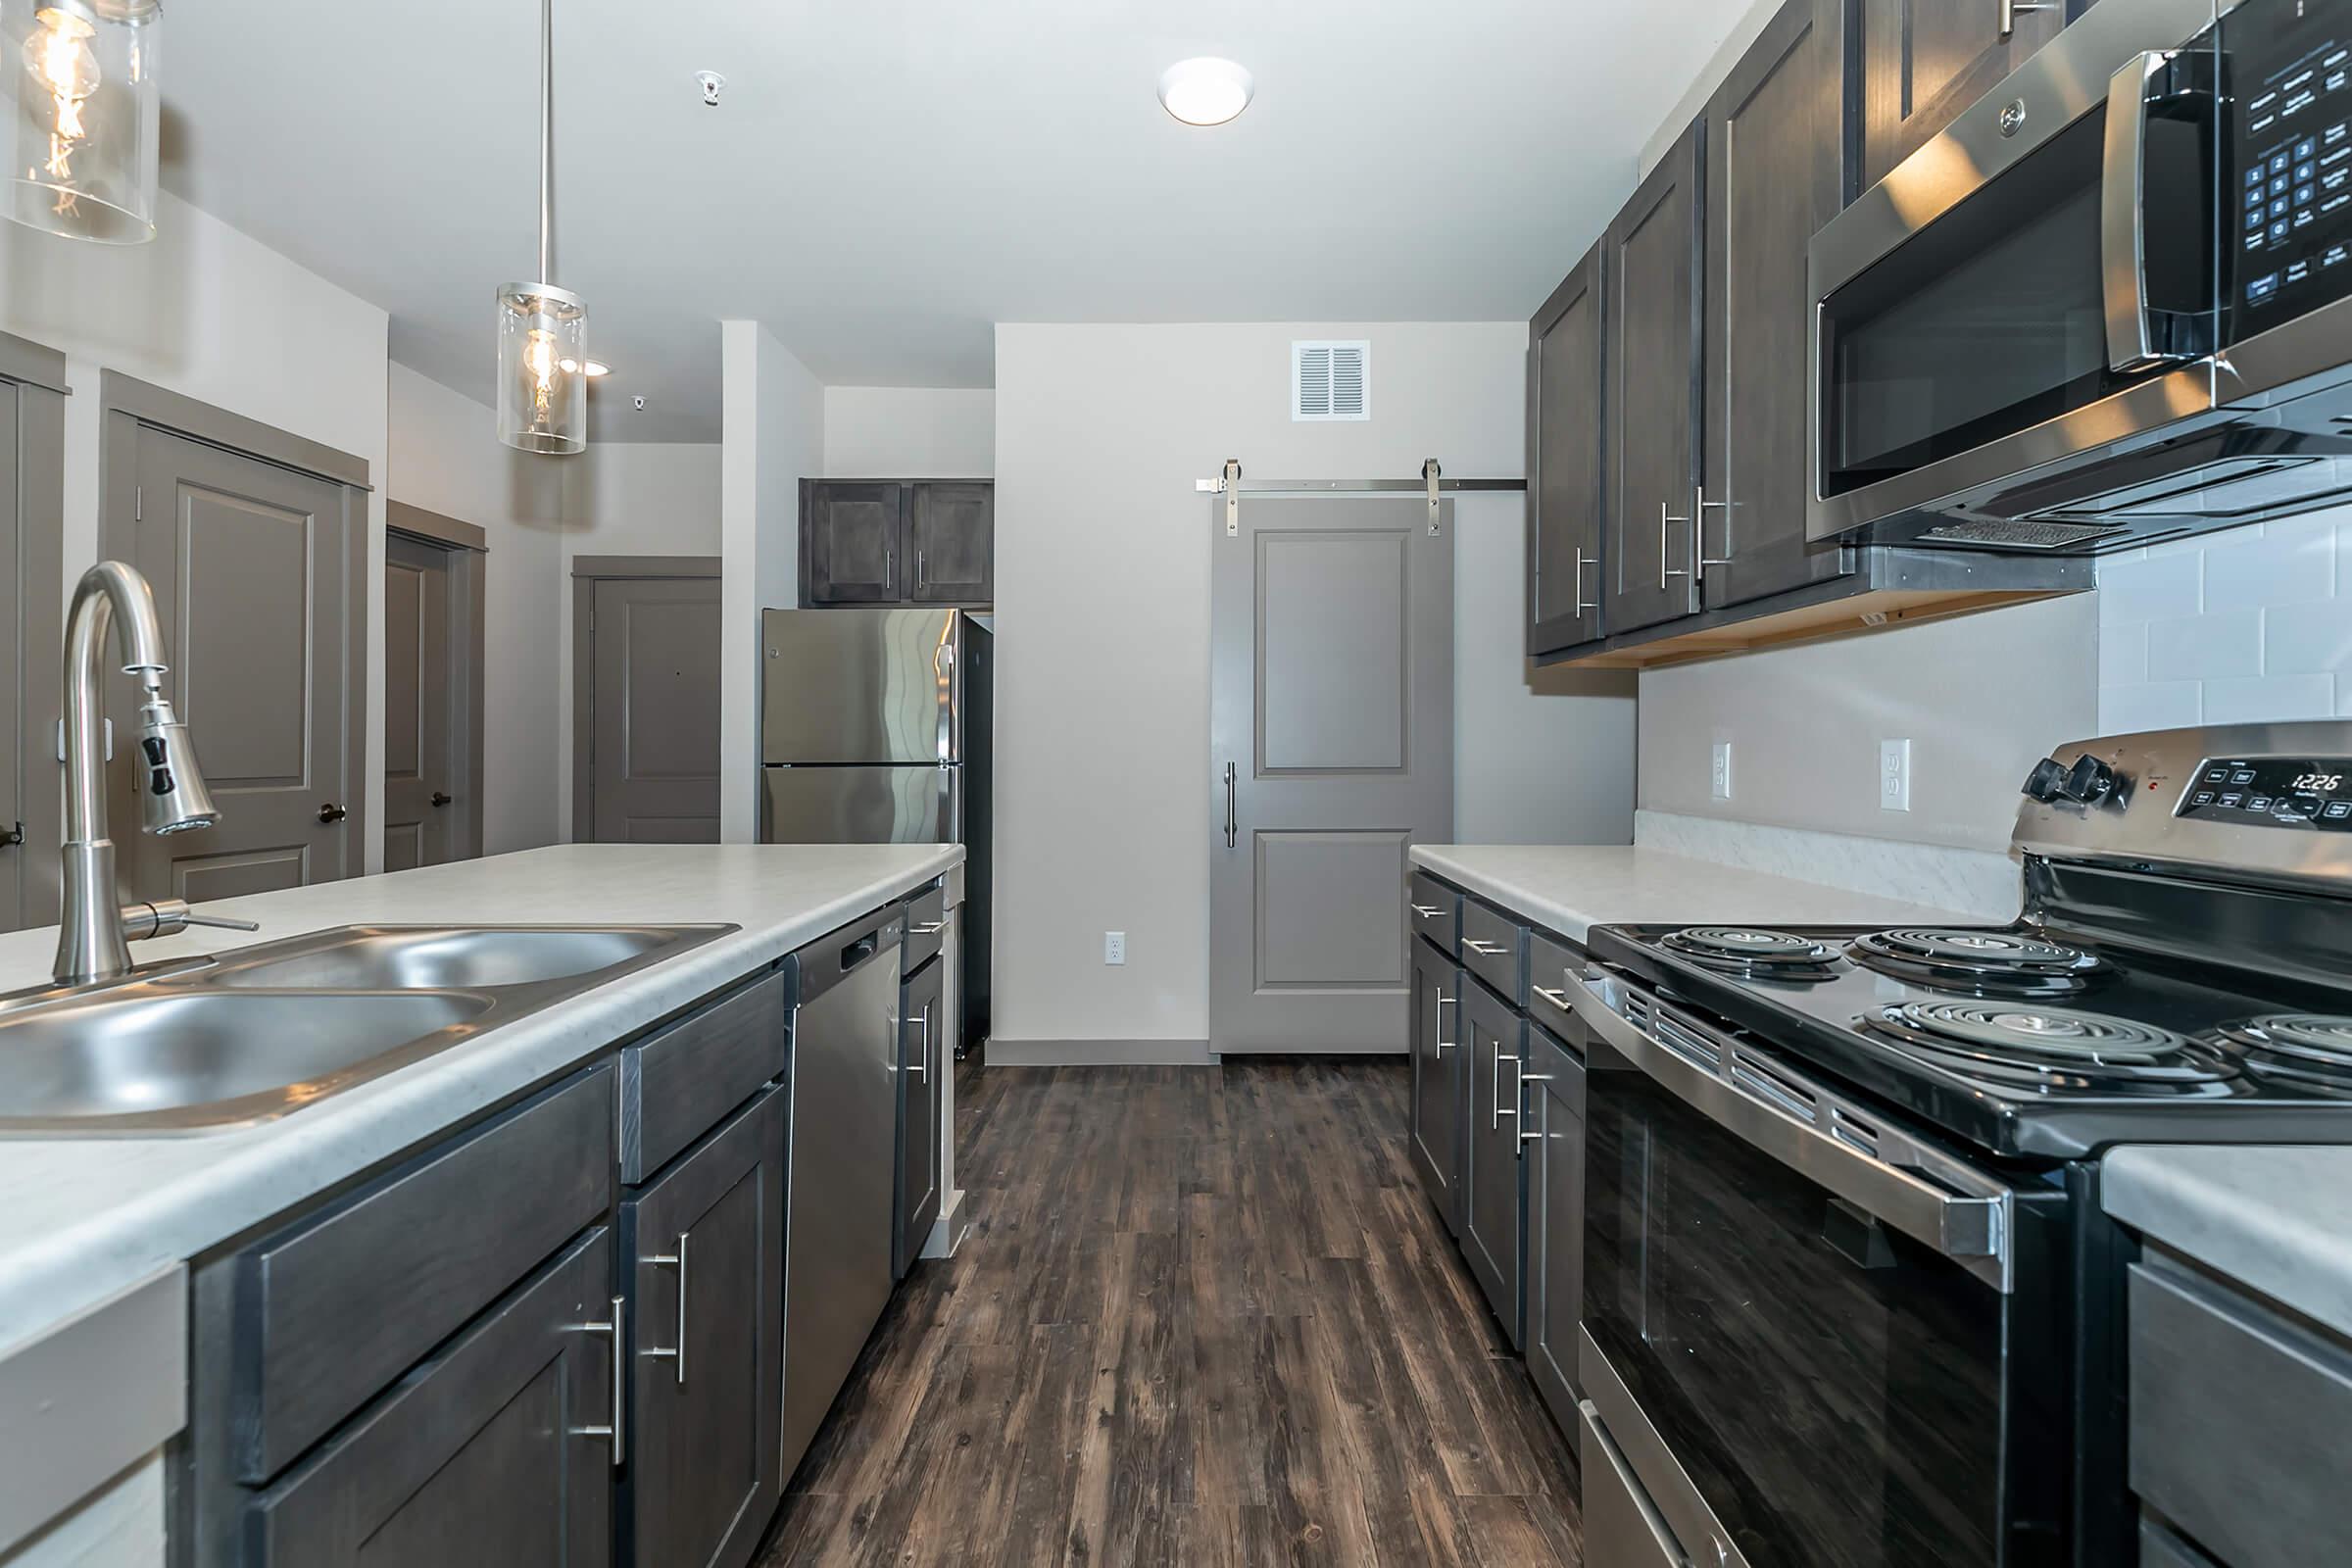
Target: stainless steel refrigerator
x,y
874,729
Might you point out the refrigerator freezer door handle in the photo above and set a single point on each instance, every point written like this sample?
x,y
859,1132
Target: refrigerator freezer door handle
x,y
943,665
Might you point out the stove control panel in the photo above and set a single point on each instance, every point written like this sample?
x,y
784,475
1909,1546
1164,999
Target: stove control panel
x,y
2301,792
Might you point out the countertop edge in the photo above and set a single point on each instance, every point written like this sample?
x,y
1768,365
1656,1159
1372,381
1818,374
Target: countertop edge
x,y
2236,1209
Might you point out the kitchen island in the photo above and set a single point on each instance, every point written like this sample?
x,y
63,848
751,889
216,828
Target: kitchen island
x,y
90,1220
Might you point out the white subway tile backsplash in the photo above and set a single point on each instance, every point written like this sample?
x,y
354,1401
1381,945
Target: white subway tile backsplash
x,y
2303,639
2246,625
2206,647
2262,699
2165,705
2150,588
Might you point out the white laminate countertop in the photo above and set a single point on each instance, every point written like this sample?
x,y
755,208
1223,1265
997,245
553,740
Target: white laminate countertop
x,y
83,1217
2276,1218
1571,888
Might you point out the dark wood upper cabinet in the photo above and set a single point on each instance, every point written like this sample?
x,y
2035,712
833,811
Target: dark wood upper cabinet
x,y
951,540
898,542
1776,173
849,542
1924,61
1564,434
1652,269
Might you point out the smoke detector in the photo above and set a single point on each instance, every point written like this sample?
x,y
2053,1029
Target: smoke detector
x,y
712,85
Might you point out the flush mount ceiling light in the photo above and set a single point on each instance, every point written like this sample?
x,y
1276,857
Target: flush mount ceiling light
x,y
1206,91
82,114
543,330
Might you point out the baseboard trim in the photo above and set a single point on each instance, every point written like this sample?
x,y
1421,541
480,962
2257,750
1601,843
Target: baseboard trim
x,y
1003,1052
949,1229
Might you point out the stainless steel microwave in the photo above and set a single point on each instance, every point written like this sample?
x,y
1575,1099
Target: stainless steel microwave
x,y
2110,303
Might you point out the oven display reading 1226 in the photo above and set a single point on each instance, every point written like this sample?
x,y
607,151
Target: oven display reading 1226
x,y
2290,792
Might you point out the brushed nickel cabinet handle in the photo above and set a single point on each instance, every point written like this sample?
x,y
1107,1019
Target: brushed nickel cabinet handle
x,y
1426,911
1558,998
922,1062
1698,528
1443,1045
1488,949
1583,609
1526,1078
1494,1101
620,1370
1666,515
930,928
2009,11
677,1354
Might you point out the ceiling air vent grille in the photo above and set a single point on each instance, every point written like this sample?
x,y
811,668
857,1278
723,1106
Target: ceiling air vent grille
x,y
1331,381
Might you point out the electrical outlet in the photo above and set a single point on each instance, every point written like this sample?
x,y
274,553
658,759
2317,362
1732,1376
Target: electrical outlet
x,y
1115,947
1720,775
1894,775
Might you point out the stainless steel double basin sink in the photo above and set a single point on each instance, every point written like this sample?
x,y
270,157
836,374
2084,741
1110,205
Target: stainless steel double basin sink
x,y
266,1030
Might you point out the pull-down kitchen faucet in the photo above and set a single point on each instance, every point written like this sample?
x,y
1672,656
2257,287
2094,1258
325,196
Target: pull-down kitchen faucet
x,y
92,934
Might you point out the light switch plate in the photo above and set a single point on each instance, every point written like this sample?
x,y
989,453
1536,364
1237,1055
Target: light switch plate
x,y
1115,947
1894,775
1719,776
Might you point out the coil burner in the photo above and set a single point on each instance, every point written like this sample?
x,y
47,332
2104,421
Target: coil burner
x,y
1980,962
2305,1050
1753,952
2053,1048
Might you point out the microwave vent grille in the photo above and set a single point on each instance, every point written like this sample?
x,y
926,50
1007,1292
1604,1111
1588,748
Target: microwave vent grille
x,y
2020,536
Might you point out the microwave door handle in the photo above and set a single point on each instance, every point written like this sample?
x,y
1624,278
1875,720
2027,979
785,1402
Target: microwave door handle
x,y
1893,1185
2124,215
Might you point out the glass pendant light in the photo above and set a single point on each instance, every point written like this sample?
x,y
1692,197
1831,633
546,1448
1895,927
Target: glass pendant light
x,y
82,110
543,330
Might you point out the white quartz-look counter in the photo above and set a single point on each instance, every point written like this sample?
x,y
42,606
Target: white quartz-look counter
x,y
2276,1218
83,1217
1573,887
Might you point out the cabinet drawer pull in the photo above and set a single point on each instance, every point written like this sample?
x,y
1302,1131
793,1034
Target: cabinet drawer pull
x,y
1427,911
620,1376
677,1354
1558,998
1488,949
930,928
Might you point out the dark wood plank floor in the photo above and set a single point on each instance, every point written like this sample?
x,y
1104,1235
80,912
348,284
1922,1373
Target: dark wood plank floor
x,y
1204,1316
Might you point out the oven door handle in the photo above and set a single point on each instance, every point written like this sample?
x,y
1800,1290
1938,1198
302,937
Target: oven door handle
x,y
1905,1183
2131,343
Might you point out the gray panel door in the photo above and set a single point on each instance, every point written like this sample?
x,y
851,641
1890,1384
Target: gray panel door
x,y
252,569
655,730
952,534
1775,174
1436,1127
418,749
850,539
706,1329
924,1035
1653,271
1564,436
1925,61
1555,1218
1491,1191
1333,718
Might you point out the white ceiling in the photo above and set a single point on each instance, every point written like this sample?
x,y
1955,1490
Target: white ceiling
x,y
886,179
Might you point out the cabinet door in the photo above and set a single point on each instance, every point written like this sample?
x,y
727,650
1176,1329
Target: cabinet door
x,y
1775,137
922,1031
851,534
1436,1129
1652,271
1924,61
705,1282
1564,463
1491,1191
498,1449
1555,1218
951,540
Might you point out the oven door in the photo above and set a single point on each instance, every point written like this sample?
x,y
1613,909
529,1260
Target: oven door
x,y
1803,1326
2033,287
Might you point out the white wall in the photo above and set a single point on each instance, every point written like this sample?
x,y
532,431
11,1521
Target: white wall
x,y
446,456
772,436
2238,627
1102,599
206,312
910,432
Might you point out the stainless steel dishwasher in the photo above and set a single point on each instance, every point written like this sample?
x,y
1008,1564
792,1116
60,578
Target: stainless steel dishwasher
x,y
837,1275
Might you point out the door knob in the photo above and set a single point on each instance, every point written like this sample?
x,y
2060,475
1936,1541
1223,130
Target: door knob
x,y
10,837
440,799
332,813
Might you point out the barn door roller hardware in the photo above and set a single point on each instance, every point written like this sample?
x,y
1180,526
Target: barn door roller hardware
x,y
1433,483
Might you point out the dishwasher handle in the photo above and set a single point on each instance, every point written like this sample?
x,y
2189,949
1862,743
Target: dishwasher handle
x,y
833,958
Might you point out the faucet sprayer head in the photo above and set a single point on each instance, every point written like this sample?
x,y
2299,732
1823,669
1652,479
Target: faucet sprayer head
x,y
172,797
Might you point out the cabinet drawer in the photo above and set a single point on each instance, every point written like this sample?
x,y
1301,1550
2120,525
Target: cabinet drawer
x,y
1622,1529
1436,911
2239,1419
926,920
1552,968
676,1085
331,1310
1495,948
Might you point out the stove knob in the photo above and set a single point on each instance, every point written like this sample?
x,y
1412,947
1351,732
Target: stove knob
x,y
2043,782
2090,782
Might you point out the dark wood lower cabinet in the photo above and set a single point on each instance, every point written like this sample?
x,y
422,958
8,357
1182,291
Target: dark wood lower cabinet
x,y
705,1345
1555,1218
1493,1206
922,1058
483,1454
1436,1132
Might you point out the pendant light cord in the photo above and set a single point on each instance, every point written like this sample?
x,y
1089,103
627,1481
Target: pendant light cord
x,y
547,138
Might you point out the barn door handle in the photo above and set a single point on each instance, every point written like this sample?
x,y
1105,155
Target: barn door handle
x,y
1233,821
439,799
332,813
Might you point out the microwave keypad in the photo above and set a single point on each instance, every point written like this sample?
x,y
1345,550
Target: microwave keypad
x,y
2290,150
